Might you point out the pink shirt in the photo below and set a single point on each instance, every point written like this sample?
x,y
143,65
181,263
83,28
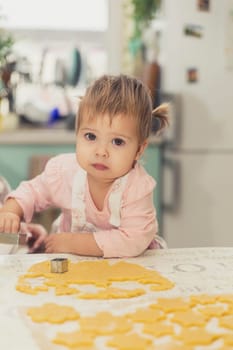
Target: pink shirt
x,y
53,188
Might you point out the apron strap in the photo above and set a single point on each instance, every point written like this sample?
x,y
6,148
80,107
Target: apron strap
x,y
78,200
115,199
79,205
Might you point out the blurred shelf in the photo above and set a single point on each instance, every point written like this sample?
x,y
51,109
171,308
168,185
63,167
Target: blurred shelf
x,y
38,137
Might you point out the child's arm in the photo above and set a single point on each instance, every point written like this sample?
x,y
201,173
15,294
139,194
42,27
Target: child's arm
x,y
75,243
10,216
137,229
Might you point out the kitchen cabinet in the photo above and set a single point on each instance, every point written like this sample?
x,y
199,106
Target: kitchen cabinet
x,y
14,159
152,163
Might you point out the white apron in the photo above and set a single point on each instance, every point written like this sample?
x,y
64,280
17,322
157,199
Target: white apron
x,y
79,222
78,216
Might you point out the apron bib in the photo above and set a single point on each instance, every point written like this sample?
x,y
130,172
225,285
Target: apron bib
x,y
79,221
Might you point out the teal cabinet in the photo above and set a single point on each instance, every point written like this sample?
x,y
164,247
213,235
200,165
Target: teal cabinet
x,y
14,159
152,163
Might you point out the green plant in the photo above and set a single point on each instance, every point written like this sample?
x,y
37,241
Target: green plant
x,y
6,42
143,11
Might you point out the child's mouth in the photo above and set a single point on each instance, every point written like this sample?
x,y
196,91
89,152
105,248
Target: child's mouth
x,y
99,166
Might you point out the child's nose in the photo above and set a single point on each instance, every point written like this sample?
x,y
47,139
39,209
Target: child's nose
x,y
101,150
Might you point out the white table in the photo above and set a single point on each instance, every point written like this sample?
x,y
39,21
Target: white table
x,y
197,270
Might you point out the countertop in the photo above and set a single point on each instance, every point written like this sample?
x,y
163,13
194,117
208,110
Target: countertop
x,y
50,136
38,136
193,271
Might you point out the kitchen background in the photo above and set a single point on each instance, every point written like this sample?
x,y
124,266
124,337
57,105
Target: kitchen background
x,y
182,49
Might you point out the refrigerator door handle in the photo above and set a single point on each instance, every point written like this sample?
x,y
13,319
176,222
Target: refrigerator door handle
x,y
171,204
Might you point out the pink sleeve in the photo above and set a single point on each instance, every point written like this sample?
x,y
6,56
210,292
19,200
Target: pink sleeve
x,y
138,221
35,195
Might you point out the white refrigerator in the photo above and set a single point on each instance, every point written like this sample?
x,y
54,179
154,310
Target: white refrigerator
x,y
196,58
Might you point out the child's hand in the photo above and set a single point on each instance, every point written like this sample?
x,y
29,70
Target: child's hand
x,y
9,222
36,237
58,243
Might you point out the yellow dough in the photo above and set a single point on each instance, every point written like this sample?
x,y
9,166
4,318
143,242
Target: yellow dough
x,y
113,293
202,299
189,318
181,321
196,336
174,347
52,313
213,310
162,285
226,321
65,290
171,304
39,268
124,271
26,288
146,315
158,329
129,342
74,339
228,338
226,298
100,273
105,323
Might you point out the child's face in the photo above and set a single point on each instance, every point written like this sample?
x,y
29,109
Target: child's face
x,y
107,150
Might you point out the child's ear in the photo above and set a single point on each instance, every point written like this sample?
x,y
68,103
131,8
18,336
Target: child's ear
x,y
141,149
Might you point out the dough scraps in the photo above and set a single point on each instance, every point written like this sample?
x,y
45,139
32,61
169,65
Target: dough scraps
x,y
202,299
196,336
113,293
52,313
228,338
153,322
105,323
171,304
74,339
159,329
100,273
146,315
183,319
226,321
129,342
213,310
189,318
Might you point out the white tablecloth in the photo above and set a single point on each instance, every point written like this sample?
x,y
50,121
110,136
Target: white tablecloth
x,y
194,271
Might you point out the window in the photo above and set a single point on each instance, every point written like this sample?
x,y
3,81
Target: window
x,y
91,15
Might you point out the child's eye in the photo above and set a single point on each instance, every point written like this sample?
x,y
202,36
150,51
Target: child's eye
x,y
90,136
118,142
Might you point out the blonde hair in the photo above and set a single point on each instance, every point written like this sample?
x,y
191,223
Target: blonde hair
x,y
125,95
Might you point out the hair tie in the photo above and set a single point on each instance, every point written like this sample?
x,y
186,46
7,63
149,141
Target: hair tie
x,y
156,124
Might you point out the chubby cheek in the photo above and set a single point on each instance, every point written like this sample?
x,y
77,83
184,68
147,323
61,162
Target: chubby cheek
x,y
125,163
81,153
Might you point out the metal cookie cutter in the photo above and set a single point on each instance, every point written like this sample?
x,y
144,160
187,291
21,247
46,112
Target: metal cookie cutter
x,y
59,265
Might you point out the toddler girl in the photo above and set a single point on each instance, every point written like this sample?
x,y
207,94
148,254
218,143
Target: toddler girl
x,y
105,195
